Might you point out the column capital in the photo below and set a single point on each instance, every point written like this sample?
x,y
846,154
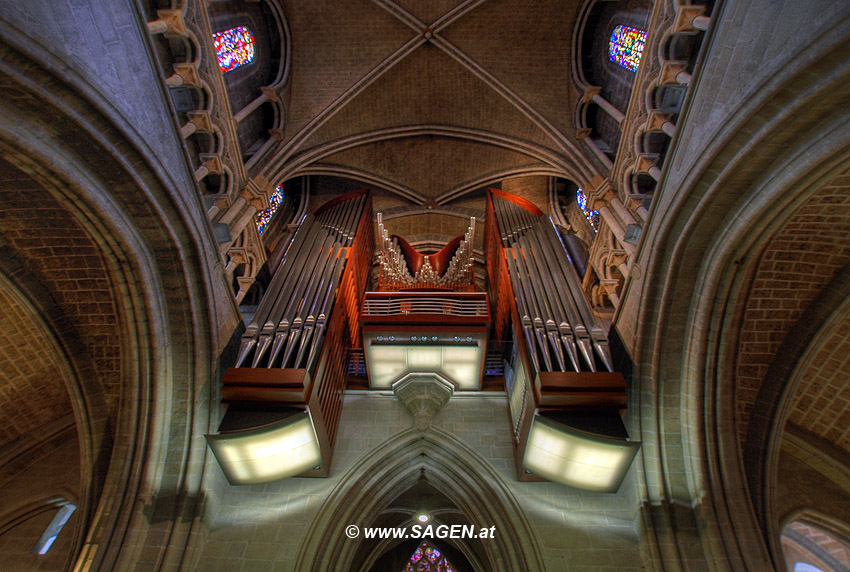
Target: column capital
x,y
212,162
184,74
169,22
201,119
670,69
656,120
269,92
590,92
644,163
599,193
685,16
254,195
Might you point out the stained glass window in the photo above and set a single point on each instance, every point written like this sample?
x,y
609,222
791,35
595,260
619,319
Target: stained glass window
x,y
265,216
591,216
426,558
626,47
235,47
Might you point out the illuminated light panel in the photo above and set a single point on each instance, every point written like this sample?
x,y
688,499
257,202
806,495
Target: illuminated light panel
x,y
264,217
626,47
577,459
462,364
268,453
234,48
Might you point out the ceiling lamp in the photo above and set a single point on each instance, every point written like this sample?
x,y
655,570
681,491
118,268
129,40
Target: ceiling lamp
x,y
269,452
577,458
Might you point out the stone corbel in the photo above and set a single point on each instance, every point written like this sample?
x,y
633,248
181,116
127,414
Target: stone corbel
x,y
674,73
199,121
599,193
589,92
583,133
169,22
423,394
269,92
690,18
185,74
646,164
211,164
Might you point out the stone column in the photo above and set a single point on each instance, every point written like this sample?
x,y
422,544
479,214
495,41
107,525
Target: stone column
x,y
593,94
268,94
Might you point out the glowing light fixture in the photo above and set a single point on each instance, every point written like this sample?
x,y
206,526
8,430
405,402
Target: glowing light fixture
x,y
423,518
388,362
576,458
269,452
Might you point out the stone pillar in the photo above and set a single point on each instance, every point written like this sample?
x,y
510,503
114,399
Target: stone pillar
x,y
616,228
268,94
609,164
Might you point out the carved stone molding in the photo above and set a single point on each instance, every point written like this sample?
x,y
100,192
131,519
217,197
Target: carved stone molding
x,y
424,393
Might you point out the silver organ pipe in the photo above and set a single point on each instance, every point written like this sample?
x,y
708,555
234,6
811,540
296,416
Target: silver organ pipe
x,y
394,269
288,328
560,330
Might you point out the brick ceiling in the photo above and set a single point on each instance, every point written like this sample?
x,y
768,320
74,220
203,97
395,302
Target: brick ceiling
x,y
32,389
800,261
56,252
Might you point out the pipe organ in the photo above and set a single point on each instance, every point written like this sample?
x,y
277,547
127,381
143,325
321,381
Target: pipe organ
x,y
559,329
563,395
425,318
424,333
403,268
291,362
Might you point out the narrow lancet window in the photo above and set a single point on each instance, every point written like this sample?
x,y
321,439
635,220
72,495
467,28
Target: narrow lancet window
x,y
265,216
53,529
234,47
626,47
591,216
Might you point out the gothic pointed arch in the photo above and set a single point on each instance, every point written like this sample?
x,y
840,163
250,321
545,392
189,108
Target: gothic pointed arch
x,y
109,214
451,467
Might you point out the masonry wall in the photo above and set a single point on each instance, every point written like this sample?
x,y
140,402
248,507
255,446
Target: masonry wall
x,y
26,507
262,527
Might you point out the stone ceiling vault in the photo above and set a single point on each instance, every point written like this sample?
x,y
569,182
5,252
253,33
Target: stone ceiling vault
x,y
423,78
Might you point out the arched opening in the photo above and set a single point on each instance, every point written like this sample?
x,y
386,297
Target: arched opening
x,y
808,546
249,43
443,471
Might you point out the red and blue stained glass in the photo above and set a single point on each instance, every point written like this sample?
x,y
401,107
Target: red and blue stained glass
x,y
426,558
626,47
265,216
234,47
591,216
